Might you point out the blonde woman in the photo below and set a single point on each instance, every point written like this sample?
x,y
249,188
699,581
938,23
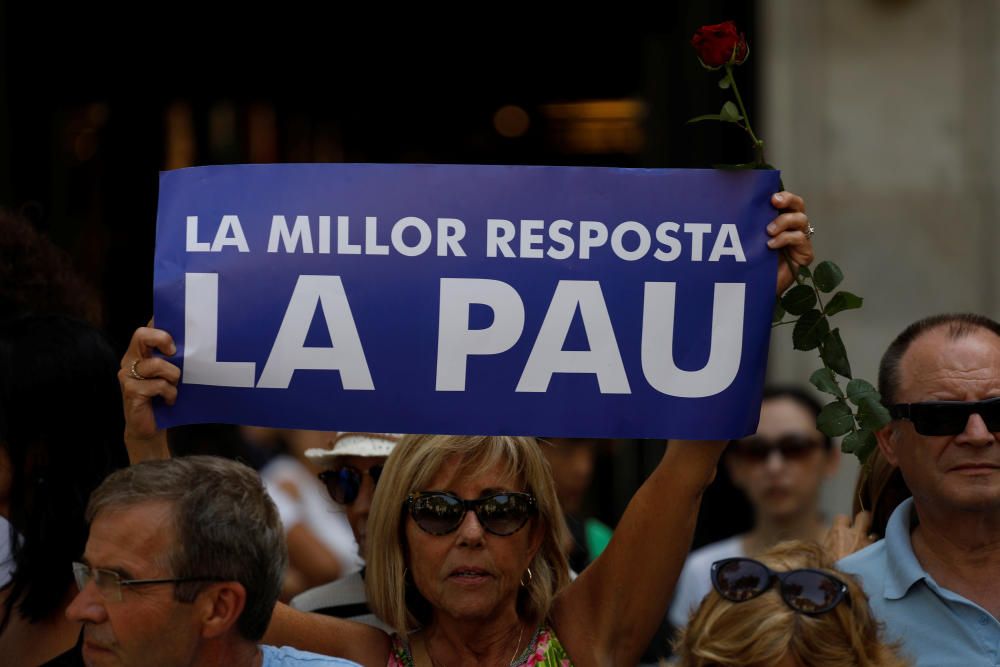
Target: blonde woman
x,y
789,608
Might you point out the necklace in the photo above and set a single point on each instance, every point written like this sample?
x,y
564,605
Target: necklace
x,y
422,647
520,634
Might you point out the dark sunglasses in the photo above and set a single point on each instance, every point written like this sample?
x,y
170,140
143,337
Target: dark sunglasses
x,y
440,512
948,417
792,447
807,591
344,484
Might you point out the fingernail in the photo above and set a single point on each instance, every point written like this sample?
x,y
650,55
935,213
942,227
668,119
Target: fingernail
x,y
779,198
771,242
772,227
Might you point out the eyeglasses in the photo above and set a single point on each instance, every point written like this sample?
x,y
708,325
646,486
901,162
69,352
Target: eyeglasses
x,y
110,583
440,513
807,591
344,484
948,417
792,447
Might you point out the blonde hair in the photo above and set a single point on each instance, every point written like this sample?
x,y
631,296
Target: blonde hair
x,y
763,630
413,463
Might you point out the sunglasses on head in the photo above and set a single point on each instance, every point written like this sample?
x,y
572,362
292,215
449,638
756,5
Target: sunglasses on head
x,y
948,417
792,447
344,484
440,512
807,591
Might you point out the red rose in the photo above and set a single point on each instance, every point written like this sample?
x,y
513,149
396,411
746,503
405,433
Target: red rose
x,y
719,45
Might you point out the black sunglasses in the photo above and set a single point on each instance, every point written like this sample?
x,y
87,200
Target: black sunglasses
x,y
344,484
793,447
948,417
440,512
807,591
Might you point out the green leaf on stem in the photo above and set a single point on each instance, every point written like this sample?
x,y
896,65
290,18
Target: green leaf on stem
x,y
827,276
826,382
810,331
709,116
861,443
834,354
843,301
799,300
872,415
730,112
866,450
859,389
724,82
779,313
804,272
835,419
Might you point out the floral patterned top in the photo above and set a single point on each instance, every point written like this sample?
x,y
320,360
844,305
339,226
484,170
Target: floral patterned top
x,y
544,650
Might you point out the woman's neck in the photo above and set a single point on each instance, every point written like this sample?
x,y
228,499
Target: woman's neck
x,y
484,643
770,530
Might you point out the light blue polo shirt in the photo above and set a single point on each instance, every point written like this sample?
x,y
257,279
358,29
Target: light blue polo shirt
x,y
935,625
290,657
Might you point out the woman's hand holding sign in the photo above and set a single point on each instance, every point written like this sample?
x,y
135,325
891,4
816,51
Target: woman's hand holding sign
x,y
142,377
792,232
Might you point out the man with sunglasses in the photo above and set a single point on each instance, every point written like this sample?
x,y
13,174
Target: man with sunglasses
x,y
182,568
934,579
353,465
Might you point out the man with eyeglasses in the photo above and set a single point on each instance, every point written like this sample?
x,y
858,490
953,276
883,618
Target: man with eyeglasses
x,y
934,579
182,567
353,464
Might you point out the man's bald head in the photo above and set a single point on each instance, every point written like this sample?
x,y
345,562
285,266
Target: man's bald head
x,y
953,325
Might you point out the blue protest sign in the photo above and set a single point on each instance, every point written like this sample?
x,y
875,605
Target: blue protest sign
x,y
556,301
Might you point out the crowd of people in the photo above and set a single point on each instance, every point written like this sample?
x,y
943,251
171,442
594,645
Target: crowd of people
x,y
393,549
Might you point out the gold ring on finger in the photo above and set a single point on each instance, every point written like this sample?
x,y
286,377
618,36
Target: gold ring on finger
x,y
135,373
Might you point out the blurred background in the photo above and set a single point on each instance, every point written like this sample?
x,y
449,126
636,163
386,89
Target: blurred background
x,y
881,113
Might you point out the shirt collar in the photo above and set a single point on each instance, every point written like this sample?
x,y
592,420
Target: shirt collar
x,y
902,567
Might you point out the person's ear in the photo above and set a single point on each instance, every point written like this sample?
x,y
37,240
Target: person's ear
x,y
887,437
219,607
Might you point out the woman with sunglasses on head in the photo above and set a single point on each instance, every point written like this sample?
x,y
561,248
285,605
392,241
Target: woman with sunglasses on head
x,y
781,469
788,608
465,539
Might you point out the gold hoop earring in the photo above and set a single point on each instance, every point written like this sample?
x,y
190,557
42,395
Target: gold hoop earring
x,y
530,577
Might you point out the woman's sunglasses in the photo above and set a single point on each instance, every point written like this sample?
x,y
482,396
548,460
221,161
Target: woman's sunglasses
x,y
344,484
792,447
440,513
948,417
807,591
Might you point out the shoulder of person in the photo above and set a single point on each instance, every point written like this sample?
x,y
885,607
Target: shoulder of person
x,y
868,562
708,554
349,590
286,656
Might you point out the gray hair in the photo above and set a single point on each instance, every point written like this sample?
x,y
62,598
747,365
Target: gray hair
x,y
225,525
